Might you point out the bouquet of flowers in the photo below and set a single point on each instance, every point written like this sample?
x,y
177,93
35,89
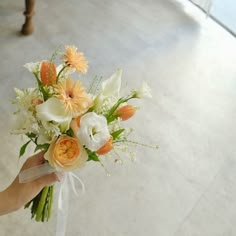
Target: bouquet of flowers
x,y
70,123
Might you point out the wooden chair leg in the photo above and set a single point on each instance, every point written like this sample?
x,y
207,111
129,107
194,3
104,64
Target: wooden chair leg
x,y
27,27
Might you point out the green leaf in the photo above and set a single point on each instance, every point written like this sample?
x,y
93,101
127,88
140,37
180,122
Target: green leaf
x,y
92,156
70,132
112,118
23,148
31,135
117,133
42,147
41,87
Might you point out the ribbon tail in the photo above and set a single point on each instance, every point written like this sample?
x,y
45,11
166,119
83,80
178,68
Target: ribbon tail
x,y
63,207
73,184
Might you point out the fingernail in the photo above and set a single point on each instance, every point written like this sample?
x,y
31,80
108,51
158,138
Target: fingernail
x,y
60,175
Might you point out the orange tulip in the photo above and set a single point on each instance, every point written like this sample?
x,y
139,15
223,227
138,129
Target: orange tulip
x,y
48,73
78,121
107,147
126,112
75,125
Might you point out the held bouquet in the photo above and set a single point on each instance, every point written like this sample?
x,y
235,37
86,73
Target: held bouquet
x,y
70,123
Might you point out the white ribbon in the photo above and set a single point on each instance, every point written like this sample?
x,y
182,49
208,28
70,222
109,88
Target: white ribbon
x,y
63,201
36,172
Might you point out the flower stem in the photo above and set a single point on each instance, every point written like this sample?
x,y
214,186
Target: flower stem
x,y
63,68
50,201
41,204
110,116
136,143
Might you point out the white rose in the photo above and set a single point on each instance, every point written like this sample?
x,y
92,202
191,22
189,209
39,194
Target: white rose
x,y
93,131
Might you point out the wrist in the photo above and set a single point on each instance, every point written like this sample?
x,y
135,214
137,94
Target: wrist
x,y
7,202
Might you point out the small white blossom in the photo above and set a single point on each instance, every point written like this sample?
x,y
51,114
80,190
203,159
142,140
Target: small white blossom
x,y
27,98
24,122
109,94
144,91
33,67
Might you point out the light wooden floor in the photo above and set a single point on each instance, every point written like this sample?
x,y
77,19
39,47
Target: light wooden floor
x,y
188,186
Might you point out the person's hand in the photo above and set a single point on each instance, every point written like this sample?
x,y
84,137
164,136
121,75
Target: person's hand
x,y
18,194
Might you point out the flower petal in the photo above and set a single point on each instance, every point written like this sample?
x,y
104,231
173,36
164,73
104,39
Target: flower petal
x,y
93,131
52,110
111,86
33,66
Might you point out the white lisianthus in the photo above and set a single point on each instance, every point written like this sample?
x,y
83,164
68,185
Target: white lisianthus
x,y
53,110
109,94
93,131
144,91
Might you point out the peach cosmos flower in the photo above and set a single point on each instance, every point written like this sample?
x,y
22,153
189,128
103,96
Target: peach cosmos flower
x,y
66,153
48,73
126,112
73,97
75,59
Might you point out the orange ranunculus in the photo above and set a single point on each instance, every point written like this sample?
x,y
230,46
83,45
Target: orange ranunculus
x,y
126,112
75,59
48,73
107,147
66,153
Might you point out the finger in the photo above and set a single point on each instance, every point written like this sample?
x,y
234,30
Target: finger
x,y
47,180
35,160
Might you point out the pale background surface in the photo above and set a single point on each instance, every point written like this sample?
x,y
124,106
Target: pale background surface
x,y
188,186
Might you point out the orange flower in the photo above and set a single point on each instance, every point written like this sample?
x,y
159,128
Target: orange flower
x,y
107,147
66,153
126,112
75,125
75,59
73,96
48,73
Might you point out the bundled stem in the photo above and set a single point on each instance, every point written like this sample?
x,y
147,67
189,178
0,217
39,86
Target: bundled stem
x,y
41,205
